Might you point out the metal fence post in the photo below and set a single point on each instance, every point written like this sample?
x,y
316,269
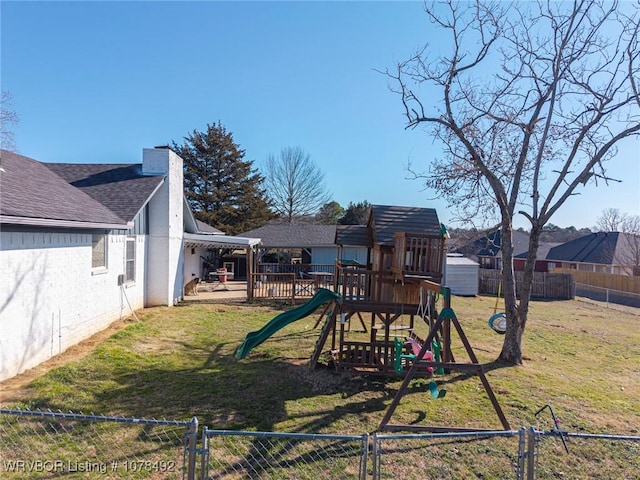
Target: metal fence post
x,y
192,449
365,456
204,457
531,453
375,457
521,452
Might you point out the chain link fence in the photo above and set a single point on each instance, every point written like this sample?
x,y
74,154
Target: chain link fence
x,y
608,295
41,445
495,455
44,445
235,455
582,456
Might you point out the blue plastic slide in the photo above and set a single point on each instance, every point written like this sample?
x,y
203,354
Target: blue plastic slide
x,y
253,339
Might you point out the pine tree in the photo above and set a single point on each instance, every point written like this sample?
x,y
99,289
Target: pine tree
x,y
223,189
356,213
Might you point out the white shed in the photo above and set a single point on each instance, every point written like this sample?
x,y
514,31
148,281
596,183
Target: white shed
x,y
461,275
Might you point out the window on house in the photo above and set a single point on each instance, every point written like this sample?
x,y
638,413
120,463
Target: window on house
x,y
99,250
130,259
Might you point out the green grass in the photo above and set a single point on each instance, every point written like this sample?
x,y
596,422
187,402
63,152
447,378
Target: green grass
x,y
176,363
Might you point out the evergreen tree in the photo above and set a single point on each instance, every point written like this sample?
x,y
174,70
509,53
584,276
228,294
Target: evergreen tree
x,y
223,189
330,213
356,214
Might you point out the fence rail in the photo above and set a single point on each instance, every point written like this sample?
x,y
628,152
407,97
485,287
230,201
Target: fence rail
x,y
44,444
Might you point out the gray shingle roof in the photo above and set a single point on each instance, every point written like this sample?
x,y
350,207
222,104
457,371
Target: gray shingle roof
x,y
353,236
489,244
206,228
121,188
28,189
386,220
294,235
607,248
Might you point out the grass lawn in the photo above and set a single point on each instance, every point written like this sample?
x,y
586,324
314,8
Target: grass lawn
x,y
176,363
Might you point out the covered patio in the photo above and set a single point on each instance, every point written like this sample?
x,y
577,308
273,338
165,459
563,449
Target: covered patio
x,y
219,261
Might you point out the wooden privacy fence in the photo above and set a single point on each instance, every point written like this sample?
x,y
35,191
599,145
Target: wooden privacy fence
x,y
623,283
553,286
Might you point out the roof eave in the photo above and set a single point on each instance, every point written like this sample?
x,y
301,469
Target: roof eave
x,y
56,223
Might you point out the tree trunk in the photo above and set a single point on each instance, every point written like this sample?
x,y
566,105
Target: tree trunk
x,y
512,346
517,313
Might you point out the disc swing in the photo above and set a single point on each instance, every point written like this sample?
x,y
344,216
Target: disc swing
x,y
498,321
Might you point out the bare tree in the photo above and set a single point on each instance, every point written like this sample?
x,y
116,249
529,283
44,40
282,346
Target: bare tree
x,y
610,220
533,99
630,227
295,184
627,251
8,119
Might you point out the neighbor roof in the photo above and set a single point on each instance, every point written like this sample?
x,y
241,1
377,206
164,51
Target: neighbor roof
x,y
386,220
607,248
32,194
489,244
286,235
121,188
543,250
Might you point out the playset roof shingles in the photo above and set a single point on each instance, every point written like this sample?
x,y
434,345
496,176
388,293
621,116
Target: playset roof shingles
x,y
353,236
386,220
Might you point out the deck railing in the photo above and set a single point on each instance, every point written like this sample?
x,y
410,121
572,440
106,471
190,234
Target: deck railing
x,y
286,286
297,268
357,285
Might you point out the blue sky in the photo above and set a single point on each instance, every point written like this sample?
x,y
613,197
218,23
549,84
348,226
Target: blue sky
x,y
99,81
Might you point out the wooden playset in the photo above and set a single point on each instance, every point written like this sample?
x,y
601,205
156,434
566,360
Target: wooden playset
x,y
382,318
386,320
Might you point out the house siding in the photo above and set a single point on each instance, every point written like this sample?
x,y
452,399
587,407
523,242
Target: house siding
x,y
324,255
359,254
52,299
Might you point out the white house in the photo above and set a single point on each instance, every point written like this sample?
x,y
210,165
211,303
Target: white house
x,y
83,245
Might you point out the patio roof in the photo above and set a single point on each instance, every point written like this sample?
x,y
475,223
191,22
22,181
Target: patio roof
x,y
219,241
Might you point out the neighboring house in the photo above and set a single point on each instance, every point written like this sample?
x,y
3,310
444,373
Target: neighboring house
x,y
542,264
315,243
486,248
612,252
83,245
